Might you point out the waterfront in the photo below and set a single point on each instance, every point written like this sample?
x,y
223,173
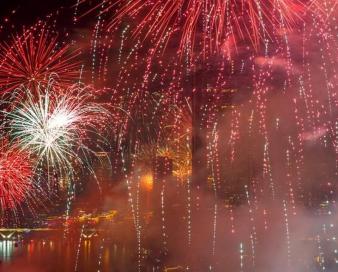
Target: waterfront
x,y
168,136
55,254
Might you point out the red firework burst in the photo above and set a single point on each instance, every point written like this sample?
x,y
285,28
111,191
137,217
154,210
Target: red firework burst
x,y
16,174
32,58
207,24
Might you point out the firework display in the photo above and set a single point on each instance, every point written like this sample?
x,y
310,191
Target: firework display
x,y
207,25
56,128
31,58
197,135
16,176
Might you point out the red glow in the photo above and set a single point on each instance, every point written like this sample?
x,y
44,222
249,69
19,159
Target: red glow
x,y
15,176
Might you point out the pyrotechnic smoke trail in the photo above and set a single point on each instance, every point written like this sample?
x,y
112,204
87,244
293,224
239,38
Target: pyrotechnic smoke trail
x,y
30,59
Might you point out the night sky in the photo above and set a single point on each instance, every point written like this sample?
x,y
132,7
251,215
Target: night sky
x,y
219,146
28,12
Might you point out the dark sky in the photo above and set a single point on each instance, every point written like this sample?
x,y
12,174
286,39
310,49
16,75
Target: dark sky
x,y
32,8
27,11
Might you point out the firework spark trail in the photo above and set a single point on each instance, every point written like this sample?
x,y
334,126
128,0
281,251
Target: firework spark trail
x,y
206,24
30,59
293,84
325,7
78,249
253,235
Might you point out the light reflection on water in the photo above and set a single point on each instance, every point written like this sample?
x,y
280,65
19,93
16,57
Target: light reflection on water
x,y
113,250
6,250
55,254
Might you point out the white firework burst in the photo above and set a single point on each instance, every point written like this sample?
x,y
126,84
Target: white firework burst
x,y
58,129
